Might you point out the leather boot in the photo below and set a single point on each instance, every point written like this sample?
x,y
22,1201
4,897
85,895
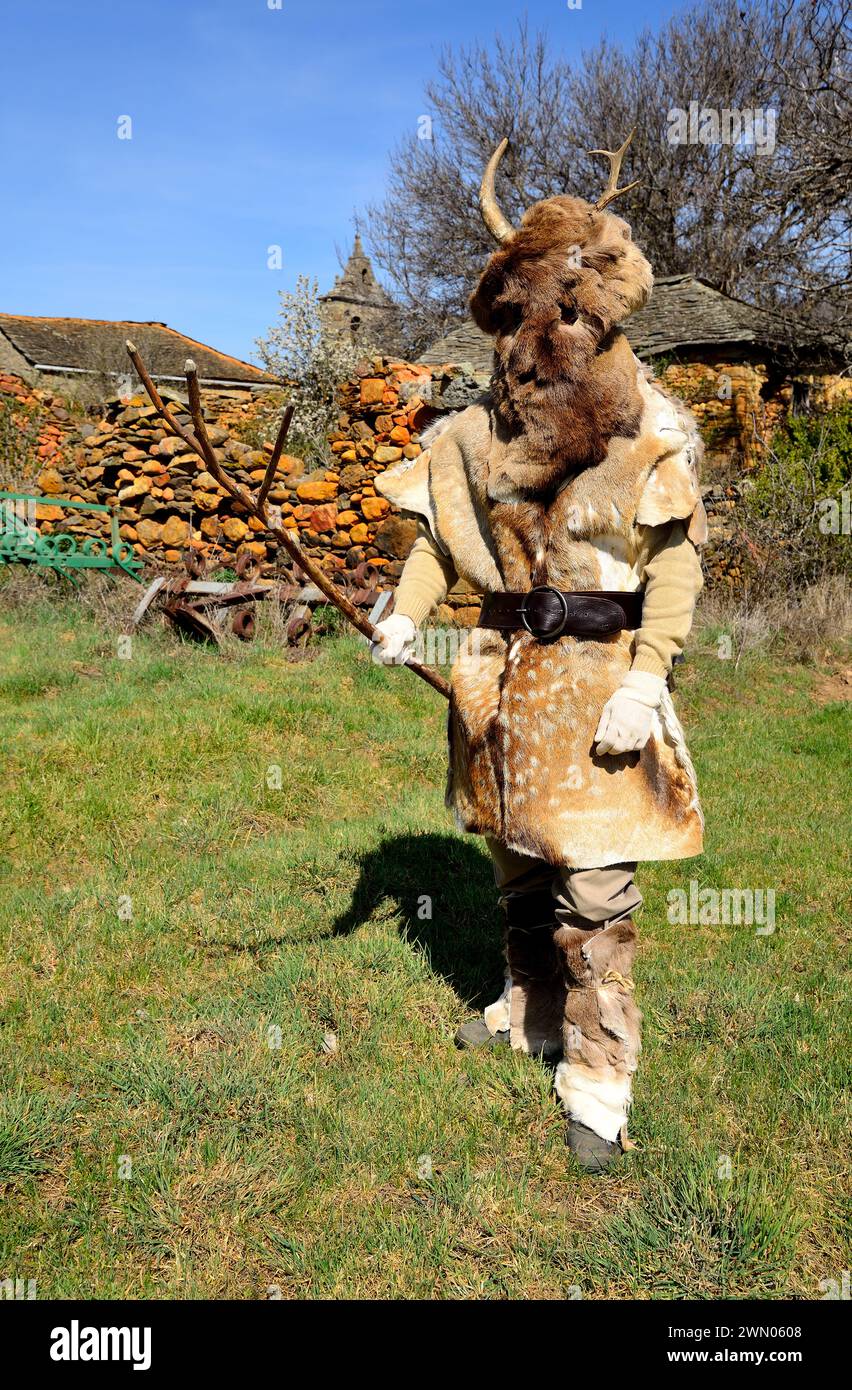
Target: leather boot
x,y
476,1034
529,1012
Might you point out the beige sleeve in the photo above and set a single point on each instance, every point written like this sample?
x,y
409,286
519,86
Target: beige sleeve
x,y
671,574
426,579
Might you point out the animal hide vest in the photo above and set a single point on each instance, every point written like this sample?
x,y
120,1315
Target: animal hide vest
x,y
523,714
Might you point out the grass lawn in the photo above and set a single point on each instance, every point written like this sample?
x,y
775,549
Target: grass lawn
x,y
210,862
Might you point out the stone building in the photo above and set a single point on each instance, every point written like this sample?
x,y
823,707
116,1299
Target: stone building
x,y
58,353
357,309
741,369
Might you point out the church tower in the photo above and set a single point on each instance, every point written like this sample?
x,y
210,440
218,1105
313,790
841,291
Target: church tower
x,y
357,309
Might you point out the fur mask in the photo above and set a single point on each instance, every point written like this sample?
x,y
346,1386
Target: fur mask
x,y
551,297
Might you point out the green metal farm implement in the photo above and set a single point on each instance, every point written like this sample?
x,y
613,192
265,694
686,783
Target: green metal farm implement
x,y
21,543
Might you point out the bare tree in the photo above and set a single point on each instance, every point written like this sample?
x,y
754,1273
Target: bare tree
x,y
761,211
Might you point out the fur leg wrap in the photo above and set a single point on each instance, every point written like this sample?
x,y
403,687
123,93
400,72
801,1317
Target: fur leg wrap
x,y
601,1025
537,1002
497,1015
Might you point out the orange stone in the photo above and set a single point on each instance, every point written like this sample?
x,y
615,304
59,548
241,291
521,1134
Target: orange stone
x,y
234,529
50,481
375,507
149,532
316,492
175,531
140,488
323,519
372,390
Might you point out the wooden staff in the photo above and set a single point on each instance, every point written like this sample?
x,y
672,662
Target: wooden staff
x,y
199,443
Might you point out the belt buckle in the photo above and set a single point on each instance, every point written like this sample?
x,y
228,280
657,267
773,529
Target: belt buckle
x,y
549,635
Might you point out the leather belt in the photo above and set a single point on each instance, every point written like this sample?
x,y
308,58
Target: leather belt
x,y
548,613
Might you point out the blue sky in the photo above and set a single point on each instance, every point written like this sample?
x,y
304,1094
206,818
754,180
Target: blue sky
x,y
251,126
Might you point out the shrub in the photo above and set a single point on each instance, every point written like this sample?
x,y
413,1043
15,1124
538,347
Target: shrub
x,y
794,526
298,347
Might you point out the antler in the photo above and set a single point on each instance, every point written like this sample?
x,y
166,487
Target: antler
x,y
612,190
199,443
499,226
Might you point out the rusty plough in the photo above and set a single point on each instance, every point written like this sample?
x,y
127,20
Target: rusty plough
x,y
199,605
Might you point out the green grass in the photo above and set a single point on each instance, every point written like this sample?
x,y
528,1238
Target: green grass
x,y
168,917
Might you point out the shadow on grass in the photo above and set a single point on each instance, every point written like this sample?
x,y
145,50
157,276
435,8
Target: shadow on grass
x,y
442,889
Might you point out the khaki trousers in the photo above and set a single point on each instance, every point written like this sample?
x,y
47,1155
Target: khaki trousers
x,y
597,896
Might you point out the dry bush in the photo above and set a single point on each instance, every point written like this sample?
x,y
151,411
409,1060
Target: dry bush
x,y
109,599
791,530
813,626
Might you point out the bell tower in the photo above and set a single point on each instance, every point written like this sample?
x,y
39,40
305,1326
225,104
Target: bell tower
x,y
357,309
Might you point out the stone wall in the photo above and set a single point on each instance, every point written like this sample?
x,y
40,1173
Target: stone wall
x,y
168,502
739,403
166,499
123,458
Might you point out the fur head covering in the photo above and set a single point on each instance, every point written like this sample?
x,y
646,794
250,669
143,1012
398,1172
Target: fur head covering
x,y
552,296
565,254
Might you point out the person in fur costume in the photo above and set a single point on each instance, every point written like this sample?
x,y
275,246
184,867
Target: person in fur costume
x,y
568,497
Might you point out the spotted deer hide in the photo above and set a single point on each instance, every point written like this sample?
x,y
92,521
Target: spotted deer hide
x,y
524,713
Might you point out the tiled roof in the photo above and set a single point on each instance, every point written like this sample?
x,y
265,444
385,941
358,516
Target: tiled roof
x,y
97,345
683,312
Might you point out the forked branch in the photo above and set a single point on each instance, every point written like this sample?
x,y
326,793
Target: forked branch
x,y
198,441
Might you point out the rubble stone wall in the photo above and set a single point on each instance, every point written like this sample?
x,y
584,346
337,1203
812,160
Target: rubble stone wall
x,y
737,404
168,502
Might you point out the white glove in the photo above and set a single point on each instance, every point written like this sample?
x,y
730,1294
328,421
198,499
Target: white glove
x,y
399,635
625,725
